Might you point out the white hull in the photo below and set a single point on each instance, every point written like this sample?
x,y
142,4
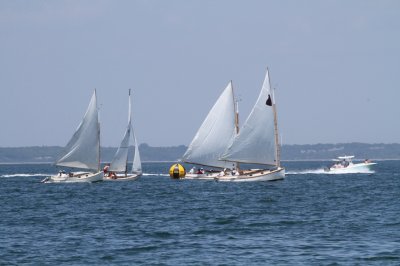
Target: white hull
x,y
207,176
130,177
352,168
76,177
259,175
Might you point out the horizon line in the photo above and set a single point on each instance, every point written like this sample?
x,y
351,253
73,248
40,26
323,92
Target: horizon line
x,y
146,144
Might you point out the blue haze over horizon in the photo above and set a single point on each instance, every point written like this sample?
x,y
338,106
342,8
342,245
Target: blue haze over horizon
x,y
335,66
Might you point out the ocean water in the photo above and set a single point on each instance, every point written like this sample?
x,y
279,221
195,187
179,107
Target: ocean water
x,y
310,218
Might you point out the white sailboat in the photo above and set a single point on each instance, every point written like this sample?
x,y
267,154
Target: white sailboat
x,y
257,142
118,169
82,151
213,137
345,165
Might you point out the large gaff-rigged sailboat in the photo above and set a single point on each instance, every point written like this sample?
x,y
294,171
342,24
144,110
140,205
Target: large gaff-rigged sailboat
x,y
118,169
83,150
257,142
214,136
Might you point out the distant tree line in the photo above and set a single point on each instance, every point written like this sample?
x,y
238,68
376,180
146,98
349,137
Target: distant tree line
x,y
330,151
40,154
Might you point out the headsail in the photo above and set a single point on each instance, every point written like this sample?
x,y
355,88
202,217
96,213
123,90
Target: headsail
x,y
118,164
137,163
215,133
256,143
83,150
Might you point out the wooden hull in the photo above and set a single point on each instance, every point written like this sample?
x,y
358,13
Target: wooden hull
x,y
255,175
78,177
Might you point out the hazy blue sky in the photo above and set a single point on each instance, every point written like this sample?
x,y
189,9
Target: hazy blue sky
x,y
335,65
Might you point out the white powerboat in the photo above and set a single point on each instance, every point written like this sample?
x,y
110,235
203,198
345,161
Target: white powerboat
x,y
344,164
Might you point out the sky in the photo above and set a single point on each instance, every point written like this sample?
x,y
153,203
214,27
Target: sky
x,y
335,66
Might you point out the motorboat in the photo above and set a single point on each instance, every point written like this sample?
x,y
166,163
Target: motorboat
x,y
344,164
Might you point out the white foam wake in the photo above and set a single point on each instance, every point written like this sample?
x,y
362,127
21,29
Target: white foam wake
x,y
307,171
23,175
147,174
322,171
29,175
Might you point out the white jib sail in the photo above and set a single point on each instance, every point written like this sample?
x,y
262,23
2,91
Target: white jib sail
x,y
137,163
255,142
215,133
83,150
118,163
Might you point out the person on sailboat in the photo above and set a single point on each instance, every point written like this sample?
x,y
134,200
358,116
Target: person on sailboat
x,y
193,170
200,171
223,172
113,175
105,169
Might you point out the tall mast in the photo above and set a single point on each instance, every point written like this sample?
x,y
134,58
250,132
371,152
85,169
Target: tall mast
x,y
98,132
236,110
130,129
277,146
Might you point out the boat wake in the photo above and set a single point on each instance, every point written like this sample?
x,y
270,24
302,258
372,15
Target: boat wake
x,y
322,171
147,174
32,175
22,175
307,171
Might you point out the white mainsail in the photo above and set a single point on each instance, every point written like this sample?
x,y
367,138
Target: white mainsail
x,y
256,142
215,133
83,150
137,163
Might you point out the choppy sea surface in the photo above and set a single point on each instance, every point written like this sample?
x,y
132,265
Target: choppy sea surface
x,y
310,218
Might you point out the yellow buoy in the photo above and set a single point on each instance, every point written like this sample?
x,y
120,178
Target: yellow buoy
x,y
177,171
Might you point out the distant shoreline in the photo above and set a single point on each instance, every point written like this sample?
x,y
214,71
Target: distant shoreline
x,y
149,154
300,160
